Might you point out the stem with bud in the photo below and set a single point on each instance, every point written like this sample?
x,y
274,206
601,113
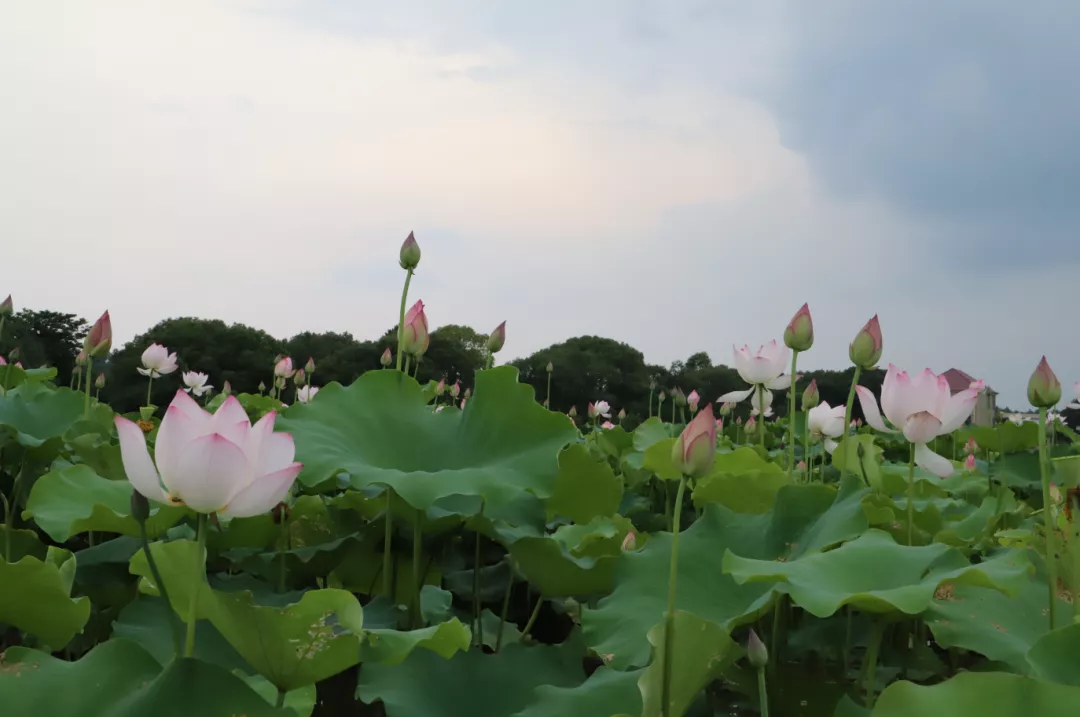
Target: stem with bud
x,y
791,416
401,316
847,413
669,615
1048,517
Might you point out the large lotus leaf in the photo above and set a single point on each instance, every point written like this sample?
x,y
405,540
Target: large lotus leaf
x,y
805,518
34,415
1020,471
859,455
75,500
1005,437
742,481
985,694
650,433
35,596
978,526
1056,656
607,692
292,645
12,376
380,430
146,622
585,488
875,574
615,442
702,651
392,647
575,560
120,679
471,684
658,460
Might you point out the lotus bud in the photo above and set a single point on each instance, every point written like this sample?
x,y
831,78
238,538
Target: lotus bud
x,y
969,462
858,423
693,452
751,425
572,412
463,402
226,389
310,365
14,354
283,368
652,384
854,424
262,387
414,336
1044,389
865,350
546,403
719,425
550,367
692,400
630,541
662,396
99,340
801,466
440,387
592,410
455,390
280,382
726,408
679,397
811,397
387,358
99,382
497,338
799,334
756,651
409,256
81,359
3,361
621,415
300,377
971,446
738,421
140,506
468,392
6,307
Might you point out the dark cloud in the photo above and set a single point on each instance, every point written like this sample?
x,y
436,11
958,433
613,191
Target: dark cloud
x,y
963,112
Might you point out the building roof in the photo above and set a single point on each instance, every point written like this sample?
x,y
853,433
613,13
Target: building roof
x,y
960,381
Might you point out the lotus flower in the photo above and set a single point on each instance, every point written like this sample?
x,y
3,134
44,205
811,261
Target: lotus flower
x,y
764,371
799,334
99,340
157,361
607,425
693,400
1044,389
455,390
196,383
409,254
305,394
212,463
630,541
969,462
971,446
826,422
921,408
600,408
6,307
387,358
414,335
693,452
284,368
865,350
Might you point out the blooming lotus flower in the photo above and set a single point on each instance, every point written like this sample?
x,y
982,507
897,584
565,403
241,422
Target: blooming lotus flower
x,y
630,541
157,361
284,368
600,408
196,383
826,422
414,335
693,400
969,462
305,394
693,452
971,446
387,358
99,340
212,463
764,371
799,334
607,425
497,338
921,408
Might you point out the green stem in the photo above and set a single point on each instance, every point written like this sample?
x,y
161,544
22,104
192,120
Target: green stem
x,y
847,412
388,561
532,617
763,693
911,495
667,503
198,577
479,632
791,416
280,698
806,452
283,541
877,631
1048,518
761,413
401,318
673,416
506,603
7,528
669,615
149,388
86,404
174,624
548,402
847,639
406,365
418,535
650,402
774,636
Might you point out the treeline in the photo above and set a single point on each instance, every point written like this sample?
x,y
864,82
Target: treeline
x,y
585,368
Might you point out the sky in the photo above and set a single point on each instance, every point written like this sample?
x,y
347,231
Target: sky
x,y
680,175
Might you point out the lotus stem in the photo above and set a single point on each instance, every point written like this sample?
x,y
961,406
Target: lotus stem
x,y
283,541
479,633
406,366
532,617
847,413
910,495
198,577
418,534
388,561
763,693
791,416
149,389
761,412
1048,518
669,615
401,318
174,625
548,401
506,603
280,698
806,453
7,528
877,631
86,404
651,391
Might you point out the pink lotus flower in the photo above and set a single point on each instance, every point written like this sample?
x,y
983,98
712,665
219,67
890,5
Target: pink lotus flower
x,y
196,383
971,446
414,335
969,462
212,463
284,368
826,422
157,361
764,371
305,394
921,408
99,340
607,425
630,541
801,466
693,400
693,452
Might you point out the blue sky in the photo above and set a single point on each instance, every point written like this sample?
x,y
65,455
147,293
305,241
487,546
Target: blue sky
x,y
677,175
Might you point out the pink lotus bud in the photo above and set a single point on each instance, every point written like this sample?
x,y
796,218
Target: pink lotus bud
x,y
679,397
497,338
409,256
751,423
799,334
865,350
1044,389
226,389
18,365
440,387
854,424
726,407
463,402
719,425
971,446
969,462
99,382
811,398
414,335
15,353
801,466
300,378
662,396
310,365
607,425
622,414
858,423
630,541
387,358
738,420
284,368
692,400
2,361
572,412
468,392
6,307
593,413
81,359
756,652
695,448
455,390
99,340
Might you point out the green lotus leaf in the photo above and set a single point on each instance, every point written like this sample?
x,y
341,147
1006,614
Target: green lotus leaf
x,y
986,694
658,460
392,647
742,481
35,596
585,488
381,431
1056,656
33,414
875,574
575,560
607,692
1006,437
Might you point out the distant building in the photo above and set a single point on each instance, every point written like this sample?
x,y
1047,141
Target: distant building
x,y
985,413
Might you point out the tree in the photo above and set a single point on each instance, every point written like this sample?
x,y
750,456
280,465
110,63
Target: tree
x,y
45,338
338,357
